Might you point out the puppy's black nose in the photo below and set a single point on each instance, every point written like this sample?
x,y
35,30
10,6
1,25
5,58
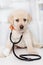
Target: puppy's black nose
x,y
21,26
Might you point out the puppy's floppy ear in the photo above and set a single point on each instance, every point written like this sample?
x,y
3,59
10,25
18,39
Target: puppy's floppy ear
x,y
29,18
11,19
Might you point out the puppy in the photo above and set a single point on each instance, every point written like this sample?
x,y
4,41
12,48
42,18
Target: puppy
x,y
20,20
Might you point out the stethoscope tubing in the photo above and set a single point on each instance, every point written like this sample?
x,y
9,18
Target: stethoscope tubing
x,y
23,56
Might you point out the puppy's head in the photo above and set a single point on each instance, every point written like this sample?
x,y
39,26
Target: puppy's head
x,y
19,19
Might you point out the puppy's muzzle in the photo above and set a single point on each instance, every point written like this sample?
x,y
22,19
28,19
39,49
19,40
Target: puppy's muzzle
x,y
21,27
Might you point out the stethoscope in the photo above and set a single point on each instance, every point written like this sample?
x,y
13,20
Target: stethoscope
x,y
23,56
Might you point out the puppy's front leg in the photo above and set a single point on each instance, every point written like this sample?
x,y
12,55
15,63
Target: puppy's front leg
x,y
7,48
28,41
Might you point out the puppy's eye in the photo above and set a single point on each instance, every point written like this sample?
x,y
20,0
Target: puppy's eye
x,y
17,20
24,19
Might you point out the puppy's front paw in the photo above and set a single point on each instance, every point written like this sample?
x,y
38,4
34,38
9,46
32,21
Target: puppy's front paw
x,y
1,55
32,51
41,46
6,52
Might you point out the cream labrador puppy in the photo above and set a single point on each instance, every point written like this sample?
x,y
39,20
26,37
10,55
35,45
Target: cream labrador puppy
x,y
20,19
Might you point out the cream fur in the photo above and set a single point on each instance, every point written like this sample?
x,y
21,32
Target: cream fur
x,y
28,40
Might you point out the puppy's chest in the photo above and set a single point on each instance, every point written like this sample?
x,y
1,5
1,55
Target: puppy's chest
x,y
16,37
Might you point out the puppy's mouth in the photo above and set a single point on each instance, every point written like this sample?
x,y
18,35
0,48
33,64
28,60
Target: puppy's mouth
x,y
21,30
